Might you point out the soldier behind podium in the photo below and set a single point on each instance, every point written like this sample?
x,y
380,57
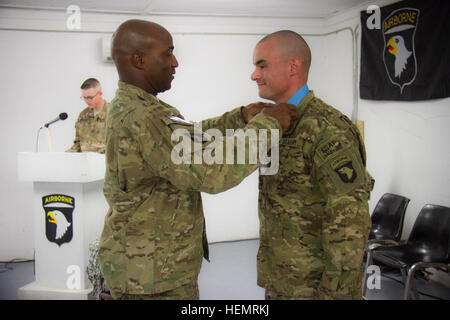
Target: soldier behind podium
x,y
90,126
154,237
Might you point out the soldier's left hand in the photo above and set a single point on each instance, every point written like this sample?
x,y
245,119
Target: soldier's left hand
x,y
251,110
285,113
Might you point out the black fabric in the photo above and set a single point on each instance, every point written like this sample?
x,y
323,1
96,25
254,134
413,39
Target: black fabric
x,y
407,57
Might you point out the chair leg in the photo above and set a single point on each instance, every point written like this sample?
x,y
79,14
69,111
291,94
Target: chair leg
x,y
410,286
414,291
404,275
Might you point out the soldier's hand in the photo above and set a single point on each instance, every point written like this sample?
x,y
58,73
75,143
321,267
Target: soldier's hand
x,y
285,113
251,110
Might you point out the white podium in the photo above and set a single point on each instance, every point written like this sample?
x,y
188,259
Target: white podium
x,y
68,213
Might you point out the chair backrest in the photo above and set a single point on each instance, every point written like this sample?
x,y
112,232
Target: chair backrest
x,y
388,216
431,231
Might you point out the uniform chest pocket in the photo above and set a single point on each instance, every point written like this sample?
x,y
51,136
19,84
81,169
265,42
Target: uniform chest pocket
x,y
294,171
83,123
291,155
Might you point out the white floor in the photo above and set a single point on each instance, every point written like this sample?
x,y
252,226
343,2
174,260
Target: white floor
x,y
231,274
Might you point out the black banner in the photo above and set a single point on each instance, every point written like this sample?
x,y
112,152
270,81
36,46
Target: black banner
x,y
405,51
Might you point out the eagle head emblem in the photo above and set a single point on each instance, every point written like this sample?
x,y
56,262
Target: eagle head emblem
x,y
396,46
58,218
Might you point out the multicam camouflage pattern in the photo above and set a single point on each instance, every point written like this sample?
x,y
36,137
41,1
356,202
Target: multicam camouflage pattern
x,y
188,291
93,271
90,131
314,216
154,237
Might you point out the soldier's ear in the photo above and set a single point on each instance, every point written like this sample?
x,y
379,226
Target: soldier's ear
x,y
295,65
137,59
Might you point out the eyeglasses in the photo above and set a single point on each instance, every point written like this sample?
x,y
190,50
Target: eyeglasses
x,y
89,98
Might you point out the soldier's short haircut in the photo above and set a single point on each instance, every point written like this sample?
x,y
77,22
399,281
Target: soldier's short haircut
x,y
292,45
90,83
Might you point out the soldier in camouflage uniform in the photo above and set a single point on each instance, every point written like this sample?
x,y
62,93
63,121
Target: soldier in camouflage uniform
x,y
154,239
314,216
90,125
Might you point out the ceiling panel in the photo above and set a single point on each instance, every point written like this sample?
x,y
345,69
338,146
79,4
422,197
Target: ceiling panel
x,y
107,5
283,8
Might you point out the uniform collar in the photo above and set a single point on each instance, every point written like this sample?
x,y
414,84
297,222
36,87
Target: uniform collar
x,y
301,107
102,112
299,95
132,90
308,97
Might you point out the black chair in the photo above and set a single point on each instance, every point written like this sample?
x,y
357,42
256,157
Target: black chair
x,y
428,245
387,224
387,218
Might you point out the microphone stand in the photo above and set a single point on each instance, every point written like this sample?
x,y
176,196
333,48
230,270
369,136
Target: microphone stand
x,y
49,139
62,116
37,139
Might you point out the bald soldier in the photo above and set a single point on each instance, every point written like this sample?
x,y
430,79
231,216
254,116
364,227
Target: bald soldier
x,y
154,237
314,216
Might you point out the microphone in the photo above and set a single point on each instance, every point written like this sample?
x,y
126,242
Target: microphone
x,y
62,116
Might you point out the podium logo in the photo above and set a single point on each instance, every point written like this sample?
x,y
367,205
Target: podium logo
x,y
58,209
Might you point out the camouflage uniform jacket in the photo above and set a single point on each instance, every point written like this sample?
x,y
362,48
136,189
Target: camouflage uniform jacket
x,y
154,236
314,217
90,131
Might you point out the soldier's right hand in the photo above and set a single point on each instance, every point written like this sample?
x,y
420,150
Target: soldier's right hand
x,y
285,113
251,110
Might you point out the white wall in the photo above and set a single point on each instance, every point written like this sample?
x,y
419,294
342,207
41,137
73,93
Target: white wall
x,y
408,150
40,78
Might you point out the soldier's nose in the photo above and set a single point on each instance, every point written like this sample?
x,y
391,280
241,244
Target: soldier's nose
x,y
254,76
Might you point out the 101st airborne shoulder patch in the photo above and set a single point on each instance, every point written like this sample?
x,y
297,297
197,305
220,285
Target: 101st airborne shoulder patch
x,y
345,171
341,164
